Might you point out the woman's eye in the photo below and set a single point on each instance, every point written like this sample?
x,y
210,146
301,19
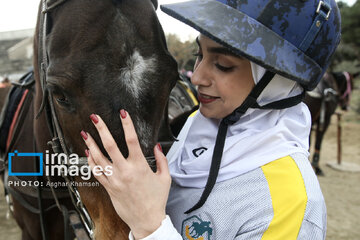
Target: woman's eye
x,y
223,68
198,55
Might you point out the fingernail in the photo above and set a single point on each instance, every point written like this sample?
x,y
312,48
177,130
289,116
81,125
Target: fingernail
x,y
123,113
94,118
84,135
87,153
159,147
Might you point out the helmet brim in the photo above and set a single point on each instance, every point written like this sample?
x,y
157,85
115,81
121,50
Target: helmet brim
x,y
247,37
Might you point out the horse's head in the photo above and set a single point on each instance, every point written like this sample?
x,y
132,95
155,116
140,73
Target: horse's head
x,y
105,56
344,82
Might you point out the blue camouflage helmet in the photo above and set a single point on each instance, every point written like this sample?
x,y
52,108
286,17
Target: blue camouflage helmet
x,y
294,38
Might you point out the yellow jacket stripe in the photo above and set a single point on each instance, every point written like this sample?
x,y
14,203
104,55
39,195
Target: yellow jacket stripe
x,y
289,198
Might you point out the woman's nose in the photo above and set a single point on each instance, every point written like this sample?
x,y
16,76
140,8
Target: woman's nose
x,y
201,75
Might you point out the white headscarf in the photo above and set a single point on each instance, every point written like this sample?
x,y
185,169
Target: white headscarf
x,y
259,137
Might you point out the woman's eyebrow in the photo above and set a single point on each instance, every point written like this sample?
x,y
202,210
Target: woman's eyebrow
x,y
222,50
219,50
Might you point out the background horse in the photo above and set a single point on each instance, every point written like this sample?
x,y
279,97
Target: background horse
x,y
100,57
334,89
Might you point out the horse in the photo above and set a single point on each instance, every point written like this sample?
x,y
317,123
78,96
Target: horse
x,y
333,90
90,57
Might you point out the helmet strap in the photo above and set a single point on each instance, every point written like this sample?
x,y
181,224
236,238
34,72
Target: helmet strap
x,y
221,136
322,15
249,102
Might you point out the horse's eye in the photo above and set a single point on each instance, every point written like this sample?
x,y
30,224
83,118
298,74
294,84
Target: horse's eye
x,y
61,99
59,96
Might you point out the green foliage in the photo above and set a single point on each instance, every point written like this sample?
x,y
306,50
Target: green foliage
x,y
183,52
350,23
347,55
346,58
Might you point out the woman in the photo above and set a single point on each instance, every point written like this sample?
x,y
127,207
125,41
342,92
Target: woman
x,y
240,169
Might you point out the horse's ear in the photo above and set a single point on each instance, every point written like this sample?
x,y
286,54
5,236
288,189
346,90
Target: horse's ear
x,y
155,3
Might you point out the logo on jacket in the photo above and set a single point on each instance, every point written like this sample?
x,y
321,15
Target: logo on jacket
x,y
194,228
198,151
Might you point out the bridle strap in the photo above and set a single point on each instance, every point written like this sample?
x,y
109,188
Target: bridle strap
x,y
348,86
57,142
51,5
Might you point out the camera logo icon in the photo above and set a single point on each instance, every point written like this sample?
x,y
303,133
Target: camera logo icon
x,y
22,157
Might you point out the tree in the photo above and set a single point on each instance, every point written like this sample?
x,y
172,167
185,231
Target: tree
x,y
183,52
350,23
347,55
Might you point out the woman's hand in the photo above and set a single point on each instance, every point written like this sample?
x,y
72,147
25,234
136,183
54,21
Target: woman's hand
x,y
138,194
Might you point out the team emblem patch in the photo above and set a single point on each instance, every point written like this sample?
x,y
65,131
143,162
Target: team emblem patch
x,y
193,228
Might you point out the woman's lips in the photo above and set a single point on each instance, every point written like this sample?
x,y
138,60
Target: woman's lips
x,y
204,99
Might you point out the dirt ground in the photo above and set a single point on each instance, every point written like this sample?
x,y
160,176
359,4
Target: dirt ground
x,y
341,189
8,228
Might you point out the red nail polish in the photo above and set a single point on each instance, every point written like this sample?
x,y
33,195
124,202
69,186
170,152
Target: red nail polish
x,y
87,153
123,113
159,147
94,118
84,135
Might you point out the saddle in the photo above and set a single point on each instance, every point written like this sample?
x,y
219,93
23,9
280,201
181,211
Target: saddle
x,y
323,90
13,114
15,101
318,92
183,98
182,102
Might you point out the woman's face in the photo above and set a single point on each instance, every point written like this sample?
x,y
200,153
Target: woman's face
x,y
223,79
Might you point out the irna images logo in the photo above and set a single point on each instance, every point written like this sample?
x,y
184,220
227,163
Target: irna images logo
x,y
23,156
56,165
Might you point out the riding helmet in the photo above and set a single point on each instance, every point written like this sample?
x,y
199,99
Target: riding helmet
x,y
294,38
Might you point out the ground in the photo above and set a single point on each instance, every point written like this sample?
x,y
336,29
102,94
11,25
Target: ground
x,y
341,189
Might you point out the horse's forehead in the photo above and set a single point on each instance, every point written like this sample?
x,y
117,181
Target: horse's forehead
x,y
141,15
133,73
104,23
139,11
131,51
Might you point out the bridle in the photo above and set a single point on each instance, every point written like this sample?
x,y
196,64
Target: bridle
x,y
57,142
347,94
